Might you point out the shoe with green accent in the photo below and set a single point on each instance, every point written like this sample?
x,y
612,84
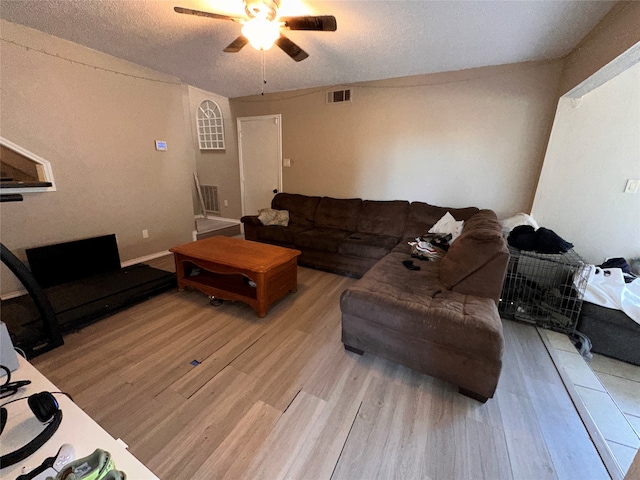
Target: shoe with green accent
x,y
92,467
115,475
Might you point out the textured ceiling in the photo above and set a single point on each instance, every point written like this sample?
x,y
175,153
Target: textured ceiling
x,y
375,39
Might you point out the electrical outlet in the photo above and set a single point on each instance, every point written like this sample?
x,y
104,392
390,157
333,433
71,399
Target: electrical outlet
x,y
632,185
145,233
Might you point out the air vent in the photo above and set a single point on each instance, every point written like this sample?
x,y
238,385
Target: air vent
x,y
210,198
339,96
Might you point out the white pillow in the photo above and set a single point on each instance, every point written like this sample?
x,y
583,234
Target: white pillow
x,y
448,224
518,219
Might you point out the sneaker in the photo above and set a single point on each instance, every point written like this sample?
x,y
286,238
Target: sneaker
x,y
115,475
92,467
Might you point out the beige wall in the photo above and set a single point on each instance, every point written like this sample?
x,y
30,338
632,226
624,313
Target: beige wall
x,y
97,128
216,167
594,148
618,31
473,137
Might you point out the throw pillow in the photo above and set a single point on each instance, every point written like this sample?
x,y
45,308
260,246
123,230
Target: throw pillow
x,y
269,216
448,225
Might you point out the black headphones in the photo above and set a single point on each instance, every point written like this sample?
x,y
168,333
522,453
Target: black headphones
x,y
46,409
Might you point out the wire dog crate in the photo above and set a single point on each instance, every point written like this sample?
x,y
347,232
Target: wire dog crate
x,y
544,289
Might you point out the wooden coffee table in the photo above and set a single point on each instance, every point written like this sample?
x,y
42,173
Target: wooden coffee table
x,y
228,268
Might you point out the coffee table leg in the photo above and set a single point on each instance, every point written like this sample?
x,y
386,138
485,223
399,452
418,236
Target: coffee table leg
x,y
261,295
179,272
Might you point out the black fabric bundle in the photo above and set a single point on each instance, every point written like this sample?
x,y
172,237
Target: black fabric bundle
x,y
542,240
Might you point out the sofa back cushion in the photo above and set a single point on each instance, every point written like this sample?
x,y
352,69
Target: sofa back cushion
x,y
476,262
338,213
423,216
383,217
301,208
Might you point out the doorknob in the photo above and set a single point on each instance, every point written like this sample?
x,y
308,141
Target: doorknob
x,y
275,190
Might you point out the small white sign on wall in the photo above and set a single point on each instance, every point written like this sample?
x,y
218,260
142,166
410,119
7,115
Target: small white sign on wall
x,y
161,145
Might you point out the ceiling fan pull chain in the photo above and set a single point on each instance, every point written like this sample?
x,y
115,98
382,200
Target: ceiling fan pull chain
x,y
264,74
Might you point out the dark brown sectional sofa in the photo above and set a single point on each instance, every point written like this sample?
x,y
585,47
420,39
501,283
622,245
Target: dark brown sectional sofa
x,y
441,320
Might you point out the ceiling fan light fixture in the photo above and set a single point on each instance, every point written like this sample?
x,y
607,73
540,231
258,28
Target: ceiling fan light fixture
x,y
261,33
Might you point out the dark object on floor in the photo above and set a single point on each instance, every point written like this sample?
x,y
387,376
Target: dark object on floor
x,y
543,240
95,291
612,332
582,344
409,264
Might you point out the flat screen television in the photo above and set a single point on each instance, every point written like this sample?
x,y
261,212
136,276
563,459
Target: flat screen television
x,y
66,262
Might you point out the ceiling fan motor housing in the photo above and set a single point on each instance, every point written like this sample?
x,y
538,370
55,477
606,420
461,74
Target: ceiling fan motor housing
x,y
267,9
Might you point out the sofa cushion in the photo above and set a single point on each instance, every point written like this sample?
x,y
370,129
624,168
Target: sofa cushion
x,y
481,242
325,239
337,213
279,234
415,304
302,209
383,217
423,216
367,245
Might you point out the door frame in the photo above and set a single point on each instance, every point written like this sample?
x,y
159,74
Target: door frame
x,y
278,120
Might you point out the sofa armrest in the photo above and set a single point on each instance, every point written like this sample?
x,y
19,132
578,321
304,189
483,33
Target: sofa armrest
x,y
251,227
476,262
251,220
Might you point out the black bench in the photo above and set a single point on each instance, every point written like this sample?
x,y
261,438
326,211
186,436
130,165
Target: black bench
x,y
83,282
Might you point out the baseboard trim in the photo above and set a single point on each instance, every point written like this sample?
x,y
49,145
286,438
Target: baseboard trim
x,y
146,258
225,219
10,295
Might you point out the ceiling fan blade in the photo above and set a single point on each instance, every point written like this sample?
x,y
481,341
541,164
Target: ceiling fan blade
x,y
326,23
200,13
291,49
237,44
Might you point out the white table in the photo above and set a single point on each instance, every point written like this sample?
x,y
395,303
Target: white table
x,y
77,429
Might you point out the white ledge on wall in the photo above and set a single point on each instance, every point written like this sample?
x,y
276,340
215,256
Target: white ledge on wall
x,y
44,164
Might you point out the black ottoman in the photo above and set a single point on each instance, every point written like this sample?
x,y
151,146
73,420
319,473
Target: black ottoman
x,y
612,332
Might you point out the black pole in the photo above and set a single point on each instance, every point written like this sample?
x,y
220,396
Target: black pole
x,y
40,298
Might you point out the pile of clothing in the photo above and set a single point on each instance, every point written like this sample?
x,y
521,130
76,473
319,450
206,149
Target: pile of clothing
x,y
615,285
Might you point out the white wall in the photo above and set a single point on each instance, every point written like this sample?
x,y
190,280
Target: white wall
x,y
594,148
473,137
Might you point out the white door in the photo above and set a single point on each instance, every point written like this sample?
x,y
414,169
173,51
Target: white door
x,y
260,152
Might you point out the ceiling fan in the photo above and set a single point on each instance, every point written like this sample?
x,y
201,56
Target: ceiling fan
x,y
261,27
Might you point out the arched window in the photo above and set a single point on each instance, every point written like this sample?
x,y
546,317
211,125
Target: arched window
x,y
210,126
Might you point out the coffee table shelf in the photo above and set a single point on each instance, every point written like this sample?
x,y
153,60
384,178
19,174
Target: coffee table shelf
x,y
227,283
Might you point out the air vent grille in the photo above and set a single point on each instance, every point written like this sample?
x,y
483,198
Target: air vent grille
x,y
339,96
210,198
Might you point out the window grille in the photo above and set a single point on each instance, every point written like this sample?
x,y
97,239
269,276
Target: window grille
x,y
210,126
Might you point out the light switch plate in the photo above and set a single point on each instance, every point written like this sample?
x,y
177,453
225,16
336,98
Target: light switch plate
x,y
632,185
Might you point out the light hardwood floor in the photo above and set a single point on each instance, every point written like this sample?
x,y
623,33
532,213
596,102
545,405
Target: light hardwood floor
x,y
279,397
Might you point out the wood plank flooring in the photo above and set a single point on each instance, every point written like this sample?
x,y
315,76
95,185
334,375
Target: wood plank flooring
x,y
279,397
